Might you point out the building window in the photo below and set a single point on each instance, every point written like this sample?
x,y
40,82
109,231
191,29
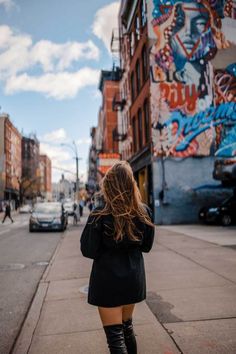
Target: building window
x,y
140,128
143,13
137,29
144,63
132,41
132,87
138,76
146,121
134,134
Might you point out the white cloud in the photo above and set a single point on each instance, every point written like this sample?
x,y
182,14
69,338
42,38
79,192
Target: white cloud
x,y
59,85
55,136
18,55
8,4
105,20
54,56
63,161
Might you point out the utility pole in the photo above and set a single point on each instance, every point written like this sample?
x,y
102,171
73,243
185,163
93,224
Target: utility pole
x,y
73,147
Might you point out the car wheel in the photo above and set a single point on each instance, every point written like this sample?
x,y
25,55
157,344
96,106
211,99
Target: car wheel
x,y
30,229
226,220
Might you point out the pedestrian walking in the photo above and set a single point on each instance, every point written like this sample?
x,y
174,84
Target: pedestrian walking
x,y
115,236
7,213
76,214
81,207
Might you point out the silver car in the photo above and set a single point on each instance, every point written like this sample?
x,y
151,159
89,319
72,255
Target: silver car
x,y
48,216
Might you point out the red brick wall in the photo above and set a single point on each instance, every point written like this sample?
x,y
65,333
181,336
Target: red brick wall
x,y
110,117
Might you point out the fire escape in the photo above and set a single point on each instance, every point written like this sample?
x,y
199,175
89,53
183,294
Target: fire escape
x,y
118,102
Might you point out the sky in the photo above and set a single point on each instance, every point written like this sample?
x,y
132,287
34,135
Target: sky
x,y
51,56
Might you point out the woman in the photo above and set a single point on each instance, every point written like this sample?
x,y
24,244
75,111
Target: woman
x,y
115,236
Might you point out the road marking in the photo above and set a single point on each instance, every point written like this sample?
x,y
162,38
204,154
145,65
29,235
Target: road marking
x,y
4,231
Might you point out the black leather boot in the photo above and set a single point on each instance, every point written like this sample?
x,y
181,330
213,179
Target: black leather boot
x,y
130,340
115,339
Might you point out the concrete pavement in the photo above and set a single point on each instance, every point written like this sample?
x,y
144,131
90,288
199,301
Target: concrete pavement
x,y
190,306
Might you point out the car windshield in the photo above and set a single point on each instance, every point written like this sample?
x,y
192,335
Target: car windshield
x,y
47,208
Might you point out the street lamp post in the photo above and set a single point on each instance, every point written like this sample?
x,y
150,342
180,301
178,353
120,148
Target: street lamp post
x,y
73,147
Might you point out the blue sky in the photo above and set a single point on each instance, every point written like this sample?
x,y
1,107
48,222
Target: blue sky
x,y
51,54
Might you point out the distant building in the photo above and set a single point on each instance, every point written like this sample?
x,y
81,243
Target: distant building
x,y
30,167
45,177
66,189
10,159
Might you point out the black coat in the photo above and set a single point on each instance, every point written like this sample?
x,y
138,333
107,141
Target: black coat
x,y
118,275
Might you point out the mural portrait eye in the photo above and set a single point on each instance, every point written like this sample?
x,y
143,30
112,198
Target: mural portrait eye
x,y
180,19
200,25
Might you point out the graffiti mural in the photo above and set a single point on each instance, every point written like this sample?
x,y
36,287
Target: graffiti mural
x,y
193,104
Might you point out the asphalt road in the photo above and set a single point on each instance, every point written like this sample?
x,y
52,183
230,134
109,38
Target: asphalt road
x,y
23,259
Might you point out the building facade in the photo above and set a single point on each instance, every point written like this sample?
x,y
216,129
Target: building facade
x,y
135,85
176,103
30,181
10,160
193,103
107,146
45,177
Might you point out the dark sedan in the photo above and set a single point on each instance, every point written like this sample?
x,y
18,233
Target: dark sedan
x,y
225,213
48,216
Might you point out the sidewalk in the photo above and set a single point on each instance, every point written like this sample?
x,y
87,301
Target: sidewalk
x,y
191,290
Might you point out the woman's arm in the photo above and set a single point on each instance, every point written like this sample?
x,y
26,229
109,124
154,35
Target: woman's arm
x,y
148,236
90,240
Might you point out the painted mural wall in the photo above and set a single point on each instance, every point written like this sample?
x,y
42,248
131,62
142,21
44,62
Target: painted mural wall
x,y
193,103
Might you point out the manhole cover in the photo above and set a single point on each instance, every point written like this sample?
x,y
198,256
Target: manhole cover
x,y
84,289
13,266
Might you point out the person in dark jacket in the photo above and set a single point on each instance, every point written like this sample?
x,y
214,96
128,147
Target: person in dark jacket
x,y
7,213
115,236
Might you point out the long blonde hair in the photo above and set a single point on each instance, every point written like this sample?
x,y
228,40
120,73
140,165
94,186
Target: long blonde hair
x,y
123,201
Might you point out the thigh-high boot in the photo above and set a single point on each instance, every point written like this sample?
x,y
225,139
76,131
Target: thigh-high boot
x,y
130,339
115,339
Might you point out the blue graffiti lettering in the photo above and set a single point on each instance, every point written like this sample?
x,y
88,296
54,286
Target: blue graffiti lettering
x,y
190,127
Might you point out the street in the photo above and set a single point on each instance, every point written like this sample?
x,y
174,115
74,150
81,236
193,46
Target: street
x,y
23,259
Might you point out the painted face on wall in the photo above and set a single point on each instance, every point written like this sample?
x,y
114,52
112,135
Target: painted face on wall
x,y
190,24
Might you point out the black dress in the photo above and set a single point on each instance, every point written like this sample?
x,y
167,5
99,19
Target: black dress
x,y
118,275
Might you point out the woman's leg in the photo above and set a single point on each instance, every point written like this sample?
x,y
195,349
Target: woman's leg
x,y
112,323
130,340
127,312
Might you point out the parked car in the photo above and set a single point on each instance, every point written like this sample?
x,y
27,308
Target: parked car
x,y
69,207
25,209
48,216
224,214
225,171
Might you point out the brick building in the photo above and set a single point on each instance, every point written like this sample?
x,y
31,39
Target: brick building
x,y
135,86
30,182
107,145
45,177
10,159
176,103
